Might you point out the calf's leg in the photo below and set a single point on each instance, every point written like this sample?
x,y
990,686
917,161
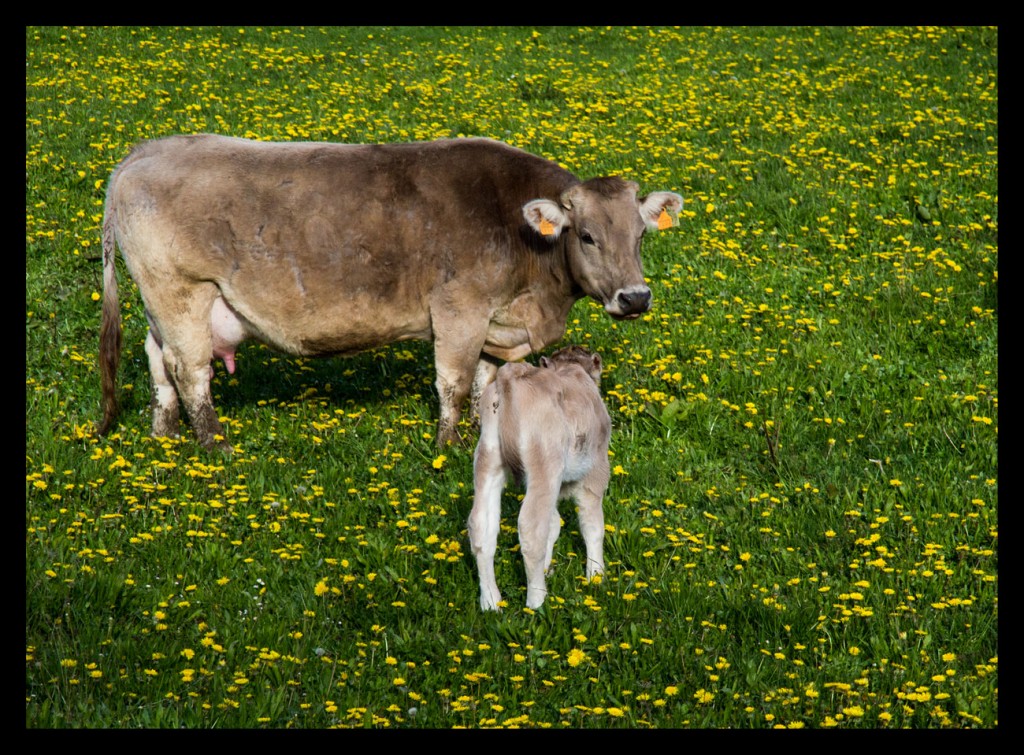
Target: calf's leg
x,y
591,514
589,494
485,518
539,524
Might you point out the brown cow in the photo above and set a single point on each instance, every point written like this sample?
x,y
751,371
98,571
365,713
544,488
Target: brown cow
x,y
326,249
548,427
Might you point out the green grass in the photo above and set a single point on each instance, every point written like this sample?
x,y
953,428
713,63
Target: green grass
x,y
802,523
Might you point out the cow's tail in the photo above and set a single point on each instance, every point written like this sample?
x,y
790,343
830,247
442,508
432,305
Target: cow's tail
x,y
110,327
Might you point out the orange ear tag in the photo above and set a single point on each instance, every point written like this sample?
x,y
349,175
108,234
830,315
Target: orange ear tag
x,y
546,228
664,221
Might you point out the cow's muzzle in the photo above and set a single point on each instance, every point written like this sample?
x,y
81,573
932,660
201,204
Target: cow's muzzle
x,y
629,303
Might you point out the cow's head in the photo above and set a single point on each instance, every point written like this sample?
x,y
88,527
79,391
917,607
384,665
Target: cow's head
x,y
601,222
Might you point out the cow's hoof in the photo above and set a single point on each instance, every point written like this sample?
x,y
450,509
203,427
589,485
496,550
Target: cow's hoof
x,y
219,444
453,439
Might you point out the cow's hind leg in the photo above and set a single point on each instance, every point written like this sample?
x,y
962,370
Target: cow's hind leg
x,y
187,345
164,396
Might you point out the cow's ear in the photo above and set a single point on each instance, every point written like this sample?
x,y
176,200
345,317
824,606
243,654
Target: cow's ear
x,y
597,363
660,208
545,217
545,362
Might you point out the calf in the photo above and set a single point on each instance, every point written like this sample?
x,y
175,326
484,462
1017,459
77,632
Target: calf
x,y
549,428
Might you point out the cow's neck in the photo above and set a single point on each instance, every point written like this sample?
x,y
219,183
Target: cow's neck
x,y
556,292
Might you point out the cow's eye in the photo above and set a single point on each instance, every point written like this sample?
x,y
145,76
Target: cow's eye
x,y
586,238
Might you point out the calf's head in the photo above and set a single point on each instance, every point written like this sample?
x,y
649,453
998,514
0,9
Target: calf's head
x,y
588,360
601,222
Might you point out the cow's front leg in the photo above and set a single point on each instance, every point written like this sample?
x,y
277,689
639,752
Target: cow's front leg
x,y
456,355
486,369
452,390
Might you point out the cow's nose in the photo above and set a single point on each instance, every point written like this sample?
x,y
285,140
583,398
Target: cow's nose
x,y
634,302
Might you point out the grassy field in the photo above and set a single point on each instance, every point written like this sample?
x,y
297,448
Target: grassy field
x,y
802,520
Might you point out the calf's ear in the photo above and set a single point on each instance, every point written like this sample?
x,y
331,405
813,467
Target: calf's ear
x,y
545,217
545,362
659,209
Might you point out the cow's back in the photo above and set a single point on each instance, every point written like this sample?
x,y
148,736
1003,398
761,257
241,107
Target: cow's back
x,y
373,186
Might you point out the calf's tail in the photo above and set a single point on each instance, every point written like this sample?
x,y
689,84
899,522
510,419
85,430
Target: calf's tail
x,y
110,327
